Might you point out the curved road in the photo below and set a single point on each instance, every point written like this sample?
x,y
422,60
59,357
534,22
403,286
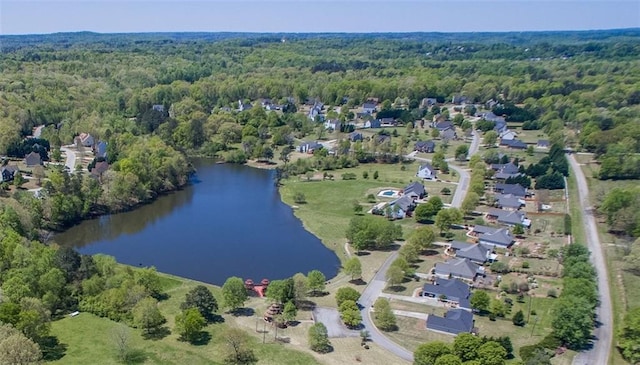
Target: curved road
x,y
378,282
599,353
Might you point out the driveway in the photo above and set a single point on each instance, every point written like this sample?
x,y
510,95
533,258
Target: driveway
x,y
409,314
599,353
331,319
70,163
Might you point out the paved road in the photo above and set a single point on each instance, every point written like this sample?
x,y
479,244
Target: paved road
x,y
368,297
71,159
599,354
375,286
330,317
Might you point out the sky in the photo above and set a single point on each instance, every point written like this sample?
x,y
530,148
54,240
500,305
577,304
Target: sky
x,y
118,16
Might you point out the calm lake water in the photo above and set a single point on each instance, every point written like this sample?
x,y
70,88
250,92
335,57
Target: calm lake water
x,y
230,222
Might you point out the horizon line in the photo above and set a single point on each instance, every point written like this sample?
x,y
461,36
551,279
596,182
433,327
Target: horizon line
x,y
321,32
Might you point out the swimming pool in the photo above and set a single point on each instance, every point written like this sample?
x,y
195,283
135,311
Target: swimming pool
x,y
389,193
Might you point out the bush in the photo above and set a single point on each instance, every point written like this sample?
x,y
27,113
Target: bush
x,y
365,175
525,265
499,267
299,198
348,176
371,198
567,224
552,293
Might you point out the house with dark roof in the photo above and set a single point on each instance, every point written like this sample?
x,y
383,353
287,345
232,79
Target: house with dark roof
x,y
355,136
514,144
476,252
7,173
86,139
398,208
315,111
309,147
428,102
33,159
373,123
242,106
498,238
480,229
100,149
425,146
442,126
509,217
415,190
543,143
426,171
453,291
459,99
382,138
369,107
505,171
509,202
458,268
332,124
512,189
158,108
454,322
388,122
449,134
100,168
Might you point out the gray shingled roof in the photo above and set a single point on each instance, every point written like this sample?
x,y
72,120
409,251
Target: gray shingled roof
x,y
507,216
513,189
474,252
462,268
509,201
500,237
416,188
454,289
455,321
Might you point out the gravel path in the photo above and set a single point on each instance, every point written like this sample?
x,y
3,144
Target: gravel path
x,y
599,353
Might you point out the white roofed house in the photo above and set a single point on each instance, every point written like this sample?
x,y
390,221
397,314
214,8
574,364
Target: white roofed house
x,y
427,172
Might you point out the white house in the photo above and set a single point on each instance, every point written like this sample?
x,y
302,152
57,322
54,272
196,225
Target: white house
x,y
427,172
508,135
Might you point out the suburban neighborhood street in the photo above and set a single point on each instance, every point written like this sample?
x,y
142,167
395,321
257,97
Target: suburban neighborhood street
x,y
368,297
603,333
378,282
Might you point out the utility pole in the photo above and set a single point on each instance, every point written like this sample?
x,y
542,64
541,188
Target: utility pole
x,y
264,331
529,314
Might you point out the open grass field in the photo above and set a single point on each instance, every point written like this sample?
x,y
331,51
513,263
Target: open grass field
x,y
89,339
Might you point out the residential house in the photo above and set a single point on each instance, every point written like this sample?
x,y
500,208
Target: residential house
x,y
316,110
415,190
442,126
428,103
543,143
505,171
426,171
373,123
332,124
512,189
100,149
514,143
508,217
500,237
500,126
476,252
7,173
449,134
454,322
369,107
425,146
459,99
158,108
388,122
243,107
458,268
355,136
99,169
508,135
33,159
500,122
402,207
490,104
382,138
309,147
509,202
452,291
266,102
86,139
37,131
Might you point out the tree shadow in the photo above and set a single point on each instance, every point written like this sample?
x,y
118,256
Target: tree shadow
x,y
203,338
162,296
305,305
215,318
391,247
358,282
136,356
243,312
430,253
362,253
158,334
52,349
397,288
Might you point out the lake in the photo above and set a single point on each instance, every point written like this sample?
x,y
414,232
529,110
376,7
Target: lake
x,y
229,222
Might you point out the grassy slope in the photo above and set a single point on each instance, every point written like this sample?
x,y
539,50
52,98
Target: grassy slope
x,y
89,338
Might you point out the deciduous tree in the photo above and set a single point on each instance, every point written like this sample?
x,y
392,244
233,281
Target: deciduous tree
x,y
319,338
353,268
202,299
147,316
316,282
383,316
428,353
189,324
234,293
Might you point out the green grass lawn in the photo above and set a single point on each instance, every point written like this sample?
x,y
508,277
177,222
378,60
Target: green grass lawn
x,y
89,339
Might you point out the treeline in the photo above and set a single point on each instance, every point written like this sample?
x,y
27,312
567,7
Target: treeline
x,y
621,206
